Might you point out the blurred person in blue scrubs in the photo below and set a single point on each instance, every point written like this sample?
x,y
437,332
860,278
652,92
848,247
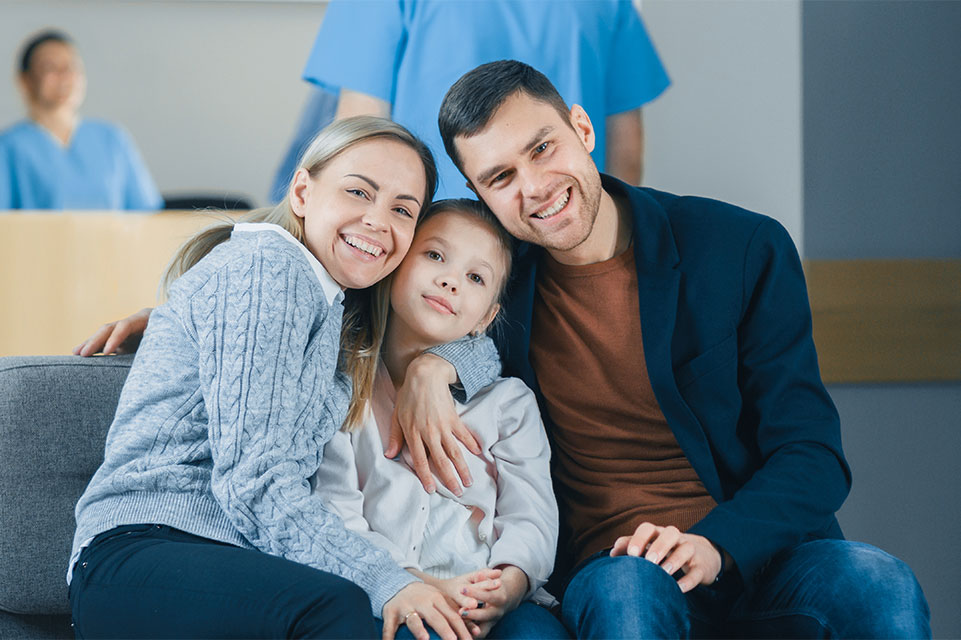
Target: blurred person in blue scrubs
x,y
397,58
57,160
317,113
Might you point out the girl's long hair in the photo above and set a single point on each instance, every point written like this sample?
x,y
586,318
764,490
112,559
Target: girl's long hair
x,y
369,310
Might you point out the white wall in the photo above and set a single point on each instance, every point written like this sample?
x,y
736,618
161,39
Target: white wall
x,y
209,90
729,127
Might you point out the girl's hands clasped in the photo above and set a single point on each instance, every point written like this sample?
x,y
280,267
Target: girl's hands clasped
x,y
482,597
469,590
418,605
495,593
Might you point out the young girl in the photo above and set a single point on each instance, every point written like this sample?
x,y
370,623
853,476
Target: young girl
x,y
201,521
492,548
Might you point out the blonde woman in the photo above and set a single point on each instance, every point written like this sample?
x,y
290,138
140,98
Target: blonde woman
x,y
201,521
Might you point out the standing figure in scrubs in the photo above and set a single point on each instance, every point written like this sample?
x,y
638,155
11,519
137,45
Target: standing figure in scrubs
x,y
396,59
57,160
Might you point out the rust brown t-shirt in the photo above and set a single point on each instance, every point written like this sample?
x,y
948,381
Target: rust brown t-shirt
x,y
616,461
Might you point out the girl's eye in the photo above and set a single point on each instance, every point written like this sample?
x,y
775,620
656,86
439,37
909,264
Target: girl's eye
x,y
433,255
475,278
404,212
358,192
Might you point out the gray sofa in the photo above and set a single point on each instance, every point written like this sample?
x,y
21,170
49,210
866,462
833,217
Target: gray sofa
x,y
54,416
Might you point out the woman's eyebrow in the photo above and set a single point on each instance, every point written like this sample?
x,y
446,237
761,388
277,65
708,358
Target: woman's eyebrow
x,y
373,184
376,187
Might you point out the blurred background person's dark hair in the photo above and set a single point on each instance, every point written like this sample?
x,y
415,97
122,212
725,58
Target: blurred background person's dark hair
x,y
55,159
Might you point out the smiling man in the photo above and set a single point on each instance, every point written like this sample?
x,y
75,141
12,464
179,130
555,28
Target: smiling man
x,y
697,455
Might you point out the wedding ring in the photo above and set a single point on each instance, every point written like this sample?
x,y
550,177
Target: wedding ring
x,y
411,613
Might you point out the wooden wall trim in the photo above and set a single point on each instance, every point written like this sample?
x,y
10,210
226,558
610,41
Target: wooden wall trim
x,y
886,320
64,274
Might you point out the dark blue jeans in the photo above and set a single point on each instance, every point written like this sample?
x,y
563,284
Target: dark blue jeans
x,y
528,621
820,589
153,581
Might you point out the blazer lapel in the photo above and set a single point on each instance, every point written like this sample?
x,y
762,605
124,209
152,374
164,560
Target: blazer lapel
x,y
516,343
658,284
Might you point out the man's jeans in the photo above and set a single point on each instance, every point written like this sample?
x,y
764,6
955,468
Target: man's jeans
x,y
820,589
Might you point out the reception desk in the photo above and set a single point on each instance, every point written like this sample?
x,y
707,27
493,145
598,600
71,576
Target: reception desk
x,y
62,275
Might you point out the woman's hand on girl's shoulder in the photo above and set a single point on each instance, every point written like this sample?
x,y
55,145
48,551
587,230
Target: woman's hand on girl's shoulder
x,y
418,606
122,336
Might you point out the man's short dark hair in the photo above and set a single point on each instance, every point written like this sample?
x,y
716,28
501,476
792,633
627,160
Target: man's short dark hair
x,y
472,101
43,37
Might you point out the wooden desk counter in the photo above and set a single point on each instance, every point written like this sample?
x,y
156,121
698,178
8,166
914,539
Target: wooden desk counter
x,y
62,275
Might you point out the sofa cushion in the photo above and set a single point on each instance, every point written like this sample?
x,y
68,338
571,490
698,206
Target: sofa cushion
x,y
54,416
35,627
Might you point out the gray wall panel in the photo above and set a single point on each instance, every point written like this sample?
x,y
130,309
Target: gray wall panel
x,y
882,129
882,179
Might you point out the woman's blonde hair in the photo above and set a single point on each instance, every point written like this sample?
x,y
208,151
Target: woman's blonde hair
x,y
365,319
327,145
361,339
361,354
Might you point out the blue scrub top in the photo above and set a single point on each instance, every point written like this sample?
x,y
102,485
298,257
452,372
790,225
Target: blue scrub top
x,y
318,112
99,169
409,52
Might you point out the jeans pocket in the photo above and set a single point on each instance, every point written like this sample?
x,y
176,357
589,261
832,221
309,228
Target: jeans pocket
x,y
100,543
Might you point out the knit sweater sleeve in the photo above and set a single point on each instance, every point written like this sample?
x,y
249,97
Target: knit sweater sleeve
x,y
476,361
267,342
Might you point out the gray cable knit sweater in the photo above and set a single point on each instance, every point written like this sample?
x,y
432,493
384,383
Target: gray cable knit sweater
x,y
227,408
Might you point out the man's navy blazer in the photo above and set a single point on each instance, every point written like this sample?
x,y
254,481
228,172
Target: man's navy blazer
x,y
726,329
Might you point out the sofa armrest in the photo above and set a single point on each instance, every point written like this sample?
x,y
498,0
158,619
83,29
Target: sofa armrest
x,y
54,415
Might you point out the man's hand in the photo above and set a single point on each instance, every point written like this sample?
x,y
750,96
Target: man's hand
x,y
122,336
418,604
425,417
699,560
